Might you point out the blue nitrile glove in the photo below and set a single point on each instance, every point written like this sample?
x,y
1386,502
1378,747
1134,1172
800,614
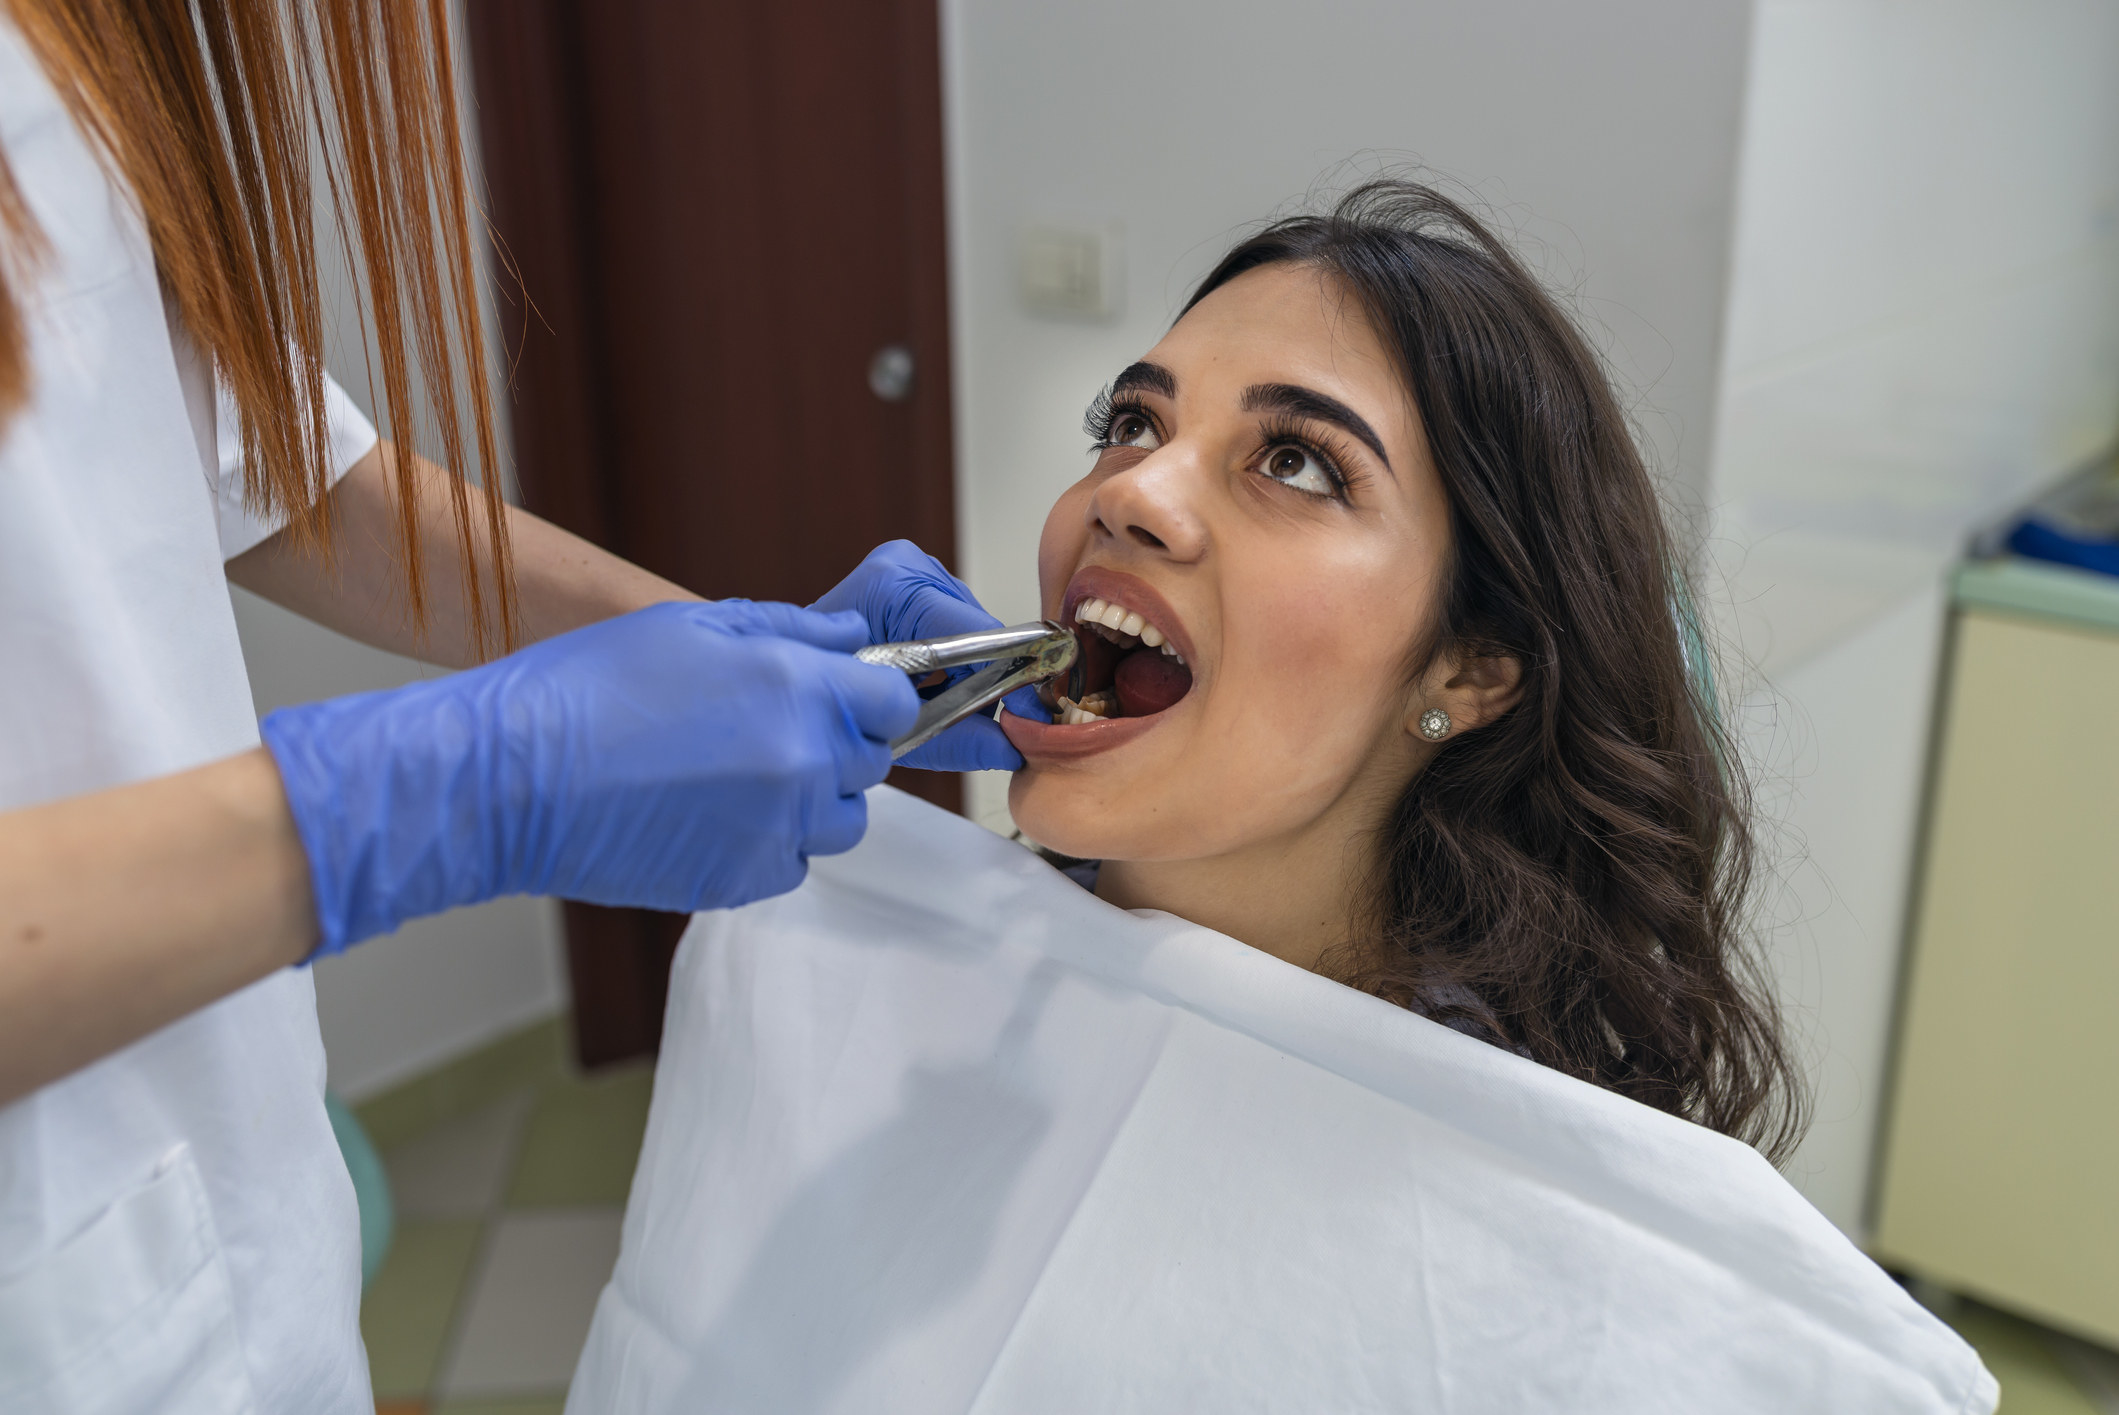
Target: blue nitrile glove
x,y
904,593
687,756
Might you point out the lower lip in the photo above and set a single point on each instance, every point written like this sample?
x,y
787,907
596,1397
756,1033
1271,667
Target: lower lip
x,y
1051,741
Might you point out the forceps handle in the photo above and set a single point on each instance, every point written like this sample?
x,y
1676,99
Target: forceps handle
x,y
1023,654
921,657
960,700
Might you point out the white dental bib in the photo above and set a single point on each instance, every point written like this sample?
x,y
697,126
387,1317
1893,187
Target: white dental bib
x,y
942,1132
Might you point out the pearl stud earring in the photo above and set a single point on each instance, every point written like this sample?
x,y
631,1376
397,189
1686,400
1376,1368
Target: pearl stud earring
x,y
1434,724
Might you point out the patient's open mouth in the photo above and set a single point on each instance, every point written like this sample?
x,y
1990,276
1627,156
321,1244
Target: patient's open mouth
x,y
1129,666
1133,668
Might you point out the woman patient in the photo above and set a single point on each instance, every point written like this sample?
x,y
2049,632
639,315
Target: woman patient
x,y
1385,720
1387,676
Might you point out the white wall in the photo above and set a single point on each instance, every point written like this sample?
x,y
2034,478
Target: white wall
x,y
1922,294
1923,325
395,1006
1843,737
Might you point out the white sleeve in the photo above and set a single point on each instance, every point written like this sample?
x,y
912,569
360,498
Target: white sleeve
x,y
352,436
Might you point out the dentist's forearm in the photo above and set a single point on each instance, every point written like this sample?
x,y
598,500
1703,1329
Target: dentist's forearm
x,y
124,910
562,582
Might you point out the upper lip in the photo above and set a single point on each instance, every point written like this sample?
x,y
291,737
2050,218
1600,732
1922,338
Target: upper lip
x,y
1133,593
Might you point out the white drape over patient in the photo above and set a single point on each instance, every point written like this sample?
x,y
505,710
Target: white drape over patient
x,y
942,1132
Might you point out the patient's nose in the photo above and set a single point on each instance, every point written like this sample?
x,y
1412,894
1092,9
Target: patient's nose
x,y
1149,504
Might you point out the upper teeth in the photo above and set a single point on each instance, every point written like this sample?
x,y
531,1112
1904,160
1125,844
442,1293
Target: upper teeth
x,y
1123,624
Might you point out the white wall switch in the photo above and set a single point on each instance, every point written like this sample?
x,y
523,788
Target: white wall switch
x,y
1071,272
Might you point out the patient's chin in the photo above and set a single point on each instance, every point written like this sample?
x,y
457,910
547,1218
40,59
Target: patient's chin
x,y
1063,817
1077,815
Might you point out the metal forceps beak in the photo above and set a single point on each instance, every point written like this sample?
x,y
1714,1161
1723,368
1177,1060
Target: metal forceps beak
x,y
1015,657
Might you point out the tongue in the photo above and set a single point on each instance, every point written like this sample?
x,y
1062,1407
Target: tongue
x,y
1148,680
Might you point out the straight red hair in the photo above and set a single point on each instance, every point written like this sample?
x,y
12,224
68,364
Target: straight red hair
x,y
213,112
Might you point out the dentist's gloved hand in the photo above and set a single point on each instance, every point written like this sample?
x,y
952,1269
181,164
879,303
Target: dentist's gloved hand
x,y
687,756
904,593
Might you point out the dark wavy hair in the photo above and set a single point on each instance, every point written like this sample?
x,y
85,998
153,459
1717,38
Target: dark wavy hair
x,y
1576,874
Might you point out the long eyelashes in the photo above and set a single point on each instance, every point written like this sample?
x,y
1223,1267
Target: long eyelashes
x,y
1102,415
1096,418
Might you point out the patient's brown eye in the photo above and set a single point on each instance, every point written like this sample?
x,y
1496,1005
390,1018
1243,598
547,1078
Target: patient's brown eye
x,y
1293,465
1131,430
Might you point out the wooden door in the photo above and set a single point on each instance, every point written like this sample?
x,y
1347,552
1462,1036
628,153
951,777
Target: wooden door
x,y
732,366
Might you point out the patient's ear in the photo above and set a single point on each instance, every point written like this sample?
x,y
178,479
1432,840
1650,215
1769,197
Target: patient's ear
x,y
1473,691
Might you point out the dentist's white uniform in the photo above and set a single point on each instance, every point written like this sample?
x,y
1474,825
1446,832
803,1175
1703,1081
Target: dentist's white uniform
x,y
177,1229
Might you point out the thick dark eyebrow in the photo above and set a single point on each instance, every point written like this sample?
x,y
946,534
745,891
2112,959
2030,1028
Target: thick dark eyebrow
x,y
1153,377
1297,401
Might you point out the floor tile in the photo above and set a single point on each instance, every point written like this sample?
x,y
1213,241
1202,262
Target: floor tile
x,y
407,1311
460,1168
528,1311
583,1140
535,1054
2033,1379
2095,1369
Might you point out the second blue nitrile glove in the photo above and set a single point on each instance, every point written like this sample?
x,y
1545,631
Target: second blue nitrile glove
x,y
905,593
687,756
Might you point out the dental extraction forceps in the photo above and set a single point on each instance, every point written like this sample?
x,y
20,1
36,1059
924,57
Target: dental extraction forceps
x,y
1016,656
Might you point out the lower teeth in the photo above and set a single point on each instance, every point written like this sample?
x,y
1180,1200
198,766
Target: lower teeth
x,y
1094,707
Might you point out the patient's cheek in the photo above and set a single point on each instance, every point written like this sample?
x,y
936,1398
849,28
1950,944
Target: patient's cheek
x,y
1059,545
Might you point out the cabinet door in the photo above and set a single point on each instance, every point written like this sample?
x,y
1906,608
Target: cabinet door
x,y
2001,1159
